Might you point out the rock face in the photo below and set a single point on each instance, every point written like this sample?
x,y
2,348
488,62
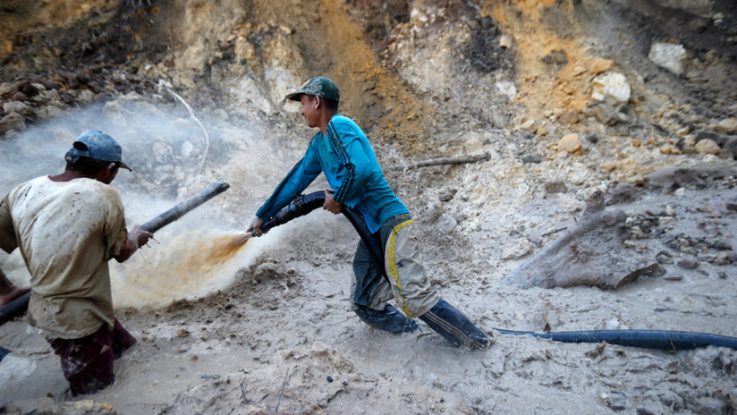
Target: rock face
x,y
668,56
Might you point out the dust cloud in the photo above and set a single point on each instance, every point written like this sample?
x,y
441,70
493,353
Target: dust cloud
x,y
171,160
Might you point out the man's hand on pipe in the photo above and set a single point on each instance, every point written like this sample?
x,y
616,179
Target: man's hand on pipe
x,y
255,227
330,204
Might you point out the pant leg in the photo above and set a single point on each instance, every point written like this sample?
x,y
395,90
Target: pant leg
x,y
87,362
122,340
369,287
412,290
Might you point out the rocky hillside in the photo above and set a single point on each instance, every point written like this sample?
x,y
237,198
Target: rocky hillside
x,y
606,199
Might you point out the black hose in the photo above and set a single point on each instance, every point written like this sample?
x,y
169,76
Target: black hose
x,y
15,308
648,339
304,204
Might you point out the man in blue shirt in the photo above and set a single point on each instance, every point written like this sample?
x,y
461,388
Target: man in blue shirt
x,y
342,152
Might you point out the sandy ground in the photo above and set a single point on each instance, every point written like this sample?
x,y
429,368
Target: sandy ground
x,y
270,327
267,328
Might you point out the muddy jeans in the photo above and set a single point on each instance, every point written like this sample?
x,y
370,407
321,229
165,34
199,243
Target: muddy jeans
x,y
407,281
87,362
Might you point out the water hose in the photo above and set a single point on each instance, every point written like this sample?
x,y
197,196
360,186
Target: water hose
x,y
647,339
304,204
15,308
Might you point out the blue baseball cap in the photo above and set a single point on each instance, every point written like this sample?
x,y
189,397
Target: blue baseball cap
x,y
96,145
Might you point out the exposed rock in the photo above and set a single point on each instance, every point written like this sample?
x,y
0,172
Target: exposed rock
x,y
17,107
707,147
517,249
505,41
612,84
711,135
669,149
600,65
12,121
688,263
507,88
569,117
592,254
569,143
727,125
668,56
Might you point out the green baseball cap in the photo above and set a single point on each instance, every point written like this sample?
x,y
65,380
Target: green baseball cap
x,y
318,86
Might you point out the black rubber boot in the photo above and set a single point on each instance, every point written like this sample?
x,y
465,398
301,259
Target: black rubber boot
x,y
455,327
390,319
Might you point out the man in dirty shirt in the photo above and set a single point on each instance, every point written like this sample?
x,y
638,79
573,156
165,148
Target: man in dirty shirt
x,y
67,226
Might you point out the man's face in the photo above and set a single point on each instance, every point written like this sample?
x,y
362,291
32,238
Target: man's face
x,y
311,110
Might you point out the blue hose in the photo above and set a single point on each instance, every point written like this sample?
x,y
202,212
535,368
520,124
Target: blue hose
x,y
648,339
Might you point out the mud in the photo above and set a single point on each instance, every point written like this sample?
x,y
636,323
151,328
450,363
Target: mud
x,y
267,327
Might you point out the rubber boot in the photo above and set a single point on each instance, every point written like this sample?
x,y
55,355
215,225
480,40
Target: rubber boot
x,y
455,327
390,319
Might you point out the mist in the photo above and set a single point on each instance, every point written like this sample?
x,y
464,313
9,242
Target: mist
x,y
172,159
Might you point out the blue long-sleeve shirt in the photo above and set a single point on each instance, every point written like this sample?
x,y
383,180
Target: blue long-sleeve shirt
x,y
349,163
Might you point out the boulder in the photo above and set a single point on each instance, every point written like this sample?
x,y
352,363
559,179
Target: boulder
x,y
707,146
612,84
17,107
668,56
12,121
727,125
593,253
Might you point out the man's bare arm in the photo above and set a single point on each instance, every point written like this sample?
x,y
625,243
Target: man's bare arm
x,y
136,238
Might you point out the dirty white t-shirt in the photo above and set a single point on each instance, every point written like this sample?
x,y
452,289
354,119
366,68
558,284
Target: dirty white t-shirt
x,y
67,232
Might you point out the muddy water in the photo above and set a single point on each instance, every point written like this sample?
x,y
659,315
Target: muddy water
x,y
189,266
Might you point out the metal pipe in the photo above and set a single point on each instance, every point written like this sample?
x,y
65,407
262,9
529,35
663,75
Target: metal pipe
x,y
184,207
